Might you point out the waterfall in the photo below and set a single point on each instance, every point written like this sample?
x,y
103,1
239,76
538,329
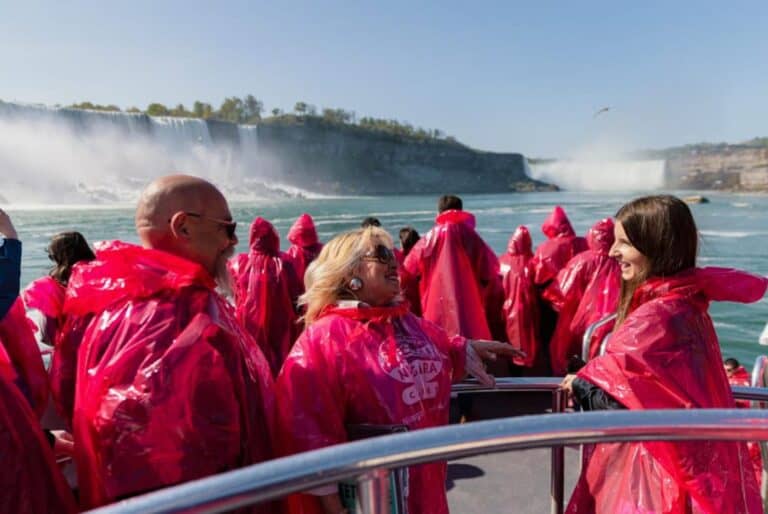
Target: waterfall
x,y
179,134
601,175
54,155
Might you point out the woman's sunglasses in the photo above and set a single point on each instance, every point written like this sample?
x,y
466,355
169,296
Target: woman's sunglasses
x,y
380,254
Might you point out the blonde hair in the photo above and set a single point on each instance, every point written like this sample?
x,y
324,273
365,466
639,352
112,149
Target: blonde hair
x,y
327,277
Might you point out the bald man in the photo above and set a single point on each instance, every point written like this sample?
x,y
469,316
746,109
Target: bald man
x,y
168,387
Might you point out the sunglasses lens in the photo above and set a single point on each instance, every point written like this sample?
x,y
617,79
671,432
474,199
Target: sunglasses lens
x,y
231,230
384,254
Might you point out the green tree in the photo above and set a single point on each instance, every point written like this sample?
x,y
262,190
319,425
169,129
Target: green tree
x,y
276,112
156,109
134,110
181,111
231,110
252,109
300,108
202,110
95,107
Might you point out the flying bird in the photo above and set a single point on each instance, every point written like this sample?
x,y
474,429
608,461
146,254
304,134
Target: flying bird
x,y
601,111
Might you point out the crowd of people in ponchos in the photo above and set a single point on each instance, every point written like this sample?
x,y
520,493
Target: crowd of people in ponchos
x,y
175,359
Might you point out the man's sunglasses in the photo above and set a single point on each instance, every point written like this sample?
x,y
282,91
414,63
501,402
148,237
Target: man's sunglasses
x,y
380,254
229,226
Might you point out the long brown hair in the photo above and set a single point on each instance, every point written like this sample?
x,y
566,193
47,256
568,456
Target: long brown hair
x,y
662,228
67,249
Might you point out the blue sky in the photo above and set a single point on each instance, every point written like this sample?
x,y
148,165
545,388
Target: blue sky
x,y
499,76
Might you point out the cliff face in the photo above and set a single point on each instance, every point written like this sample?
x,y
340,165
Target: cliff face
x,y
347,160
733,167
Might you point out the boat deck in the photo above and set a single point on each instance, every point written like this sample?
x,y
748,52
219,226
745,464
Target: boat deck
x,y
509,482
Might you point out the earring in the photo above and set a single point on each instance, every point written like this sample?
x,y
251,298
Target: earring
x,y
355,284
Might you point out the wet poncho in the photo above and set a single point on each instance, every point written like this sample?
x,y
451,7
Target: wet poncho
x,y
169,387
374,365
561,245
521,307
266,287
18,344
454,270
666,355
305,246
740,377
585,291
46,296
30,480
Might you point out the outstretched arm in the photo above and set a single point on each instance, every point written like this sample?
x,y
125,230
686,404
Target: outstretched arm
x,y
10,264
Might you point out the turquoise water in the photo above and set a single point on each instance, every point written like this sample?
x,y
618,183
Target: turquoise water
x,y
734,232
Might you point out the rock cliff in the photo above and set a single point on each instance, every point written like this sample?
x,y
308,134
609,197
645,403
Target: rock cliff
x,y
741,167
350,160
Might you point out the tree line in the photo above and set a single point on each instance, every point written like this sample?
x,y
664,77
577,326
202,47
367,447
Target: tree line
x,y
250,110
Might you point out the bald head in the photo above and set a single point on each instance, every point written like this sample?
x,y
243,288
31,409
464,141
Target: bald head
x,y
167,196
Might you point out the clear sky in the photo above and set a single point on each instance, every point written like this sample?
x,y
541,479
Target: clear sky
x,y
499,76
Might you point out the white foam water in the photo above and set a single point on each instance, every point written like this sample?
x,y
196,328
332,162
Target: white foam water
x,y
601,175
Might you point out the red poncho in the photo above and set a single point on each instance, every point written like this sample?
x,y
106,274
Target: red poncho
x,y
169,387
378,365
266,287
740,377
585,291
561,245
664,356
47,296
521,307
17,340
455,271
30,480
305,246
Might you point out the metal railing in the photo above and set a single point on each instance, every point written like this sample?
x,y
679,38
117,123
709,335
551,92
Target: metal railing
x,y
760,372
365,461
586,340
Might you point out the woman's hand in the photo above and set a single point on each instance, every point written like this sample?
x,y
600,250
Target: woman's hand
x,y
479,350
489,350
64,444
567,383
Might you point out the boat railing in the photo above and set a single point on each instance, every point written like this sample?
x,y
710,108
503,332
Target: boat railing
x,y
760,379
586,341
367,462
760,372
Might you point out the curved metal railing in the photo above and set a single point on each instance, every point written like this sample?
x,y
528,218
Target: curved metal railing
x,y
586,340
367,461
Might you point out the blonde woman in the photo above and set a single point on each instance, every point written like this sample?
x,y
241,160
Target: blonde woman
x,y
364,358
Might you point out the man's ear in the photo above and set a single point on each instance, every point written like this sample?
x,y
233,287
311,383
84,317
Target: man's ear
x,y
179,225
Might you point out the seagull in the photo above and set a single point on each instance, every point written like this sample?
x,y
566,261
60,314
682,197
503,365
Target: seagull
x,y
601,111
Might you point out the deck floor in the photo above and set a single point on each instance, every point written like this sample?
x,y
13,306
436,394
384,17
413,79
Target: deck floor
x,y
509,483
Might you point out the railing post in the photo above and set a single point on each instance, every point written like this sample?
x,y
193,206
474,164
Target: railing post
x,y
557,469
373,488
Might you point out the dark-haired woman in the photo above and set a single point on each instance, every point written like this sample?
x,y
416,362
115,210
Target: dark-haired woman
x,y
664,354
44,299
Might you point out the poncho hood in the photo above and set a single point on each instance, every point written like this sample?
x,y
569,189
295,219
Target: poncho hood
x,y
303,232
264,238
557,224
600,236
123,272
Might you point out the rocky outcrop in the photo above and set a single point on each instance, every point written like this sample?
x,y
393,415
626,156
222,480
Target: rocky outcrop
x,y
349,160
731,167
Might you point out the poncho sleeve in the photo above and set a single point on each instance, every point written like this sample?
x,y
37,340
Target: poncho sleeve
x,y
311,401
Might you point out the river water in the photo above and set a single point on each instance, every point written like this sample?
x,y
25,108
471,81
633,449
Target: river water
x,y
733,228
